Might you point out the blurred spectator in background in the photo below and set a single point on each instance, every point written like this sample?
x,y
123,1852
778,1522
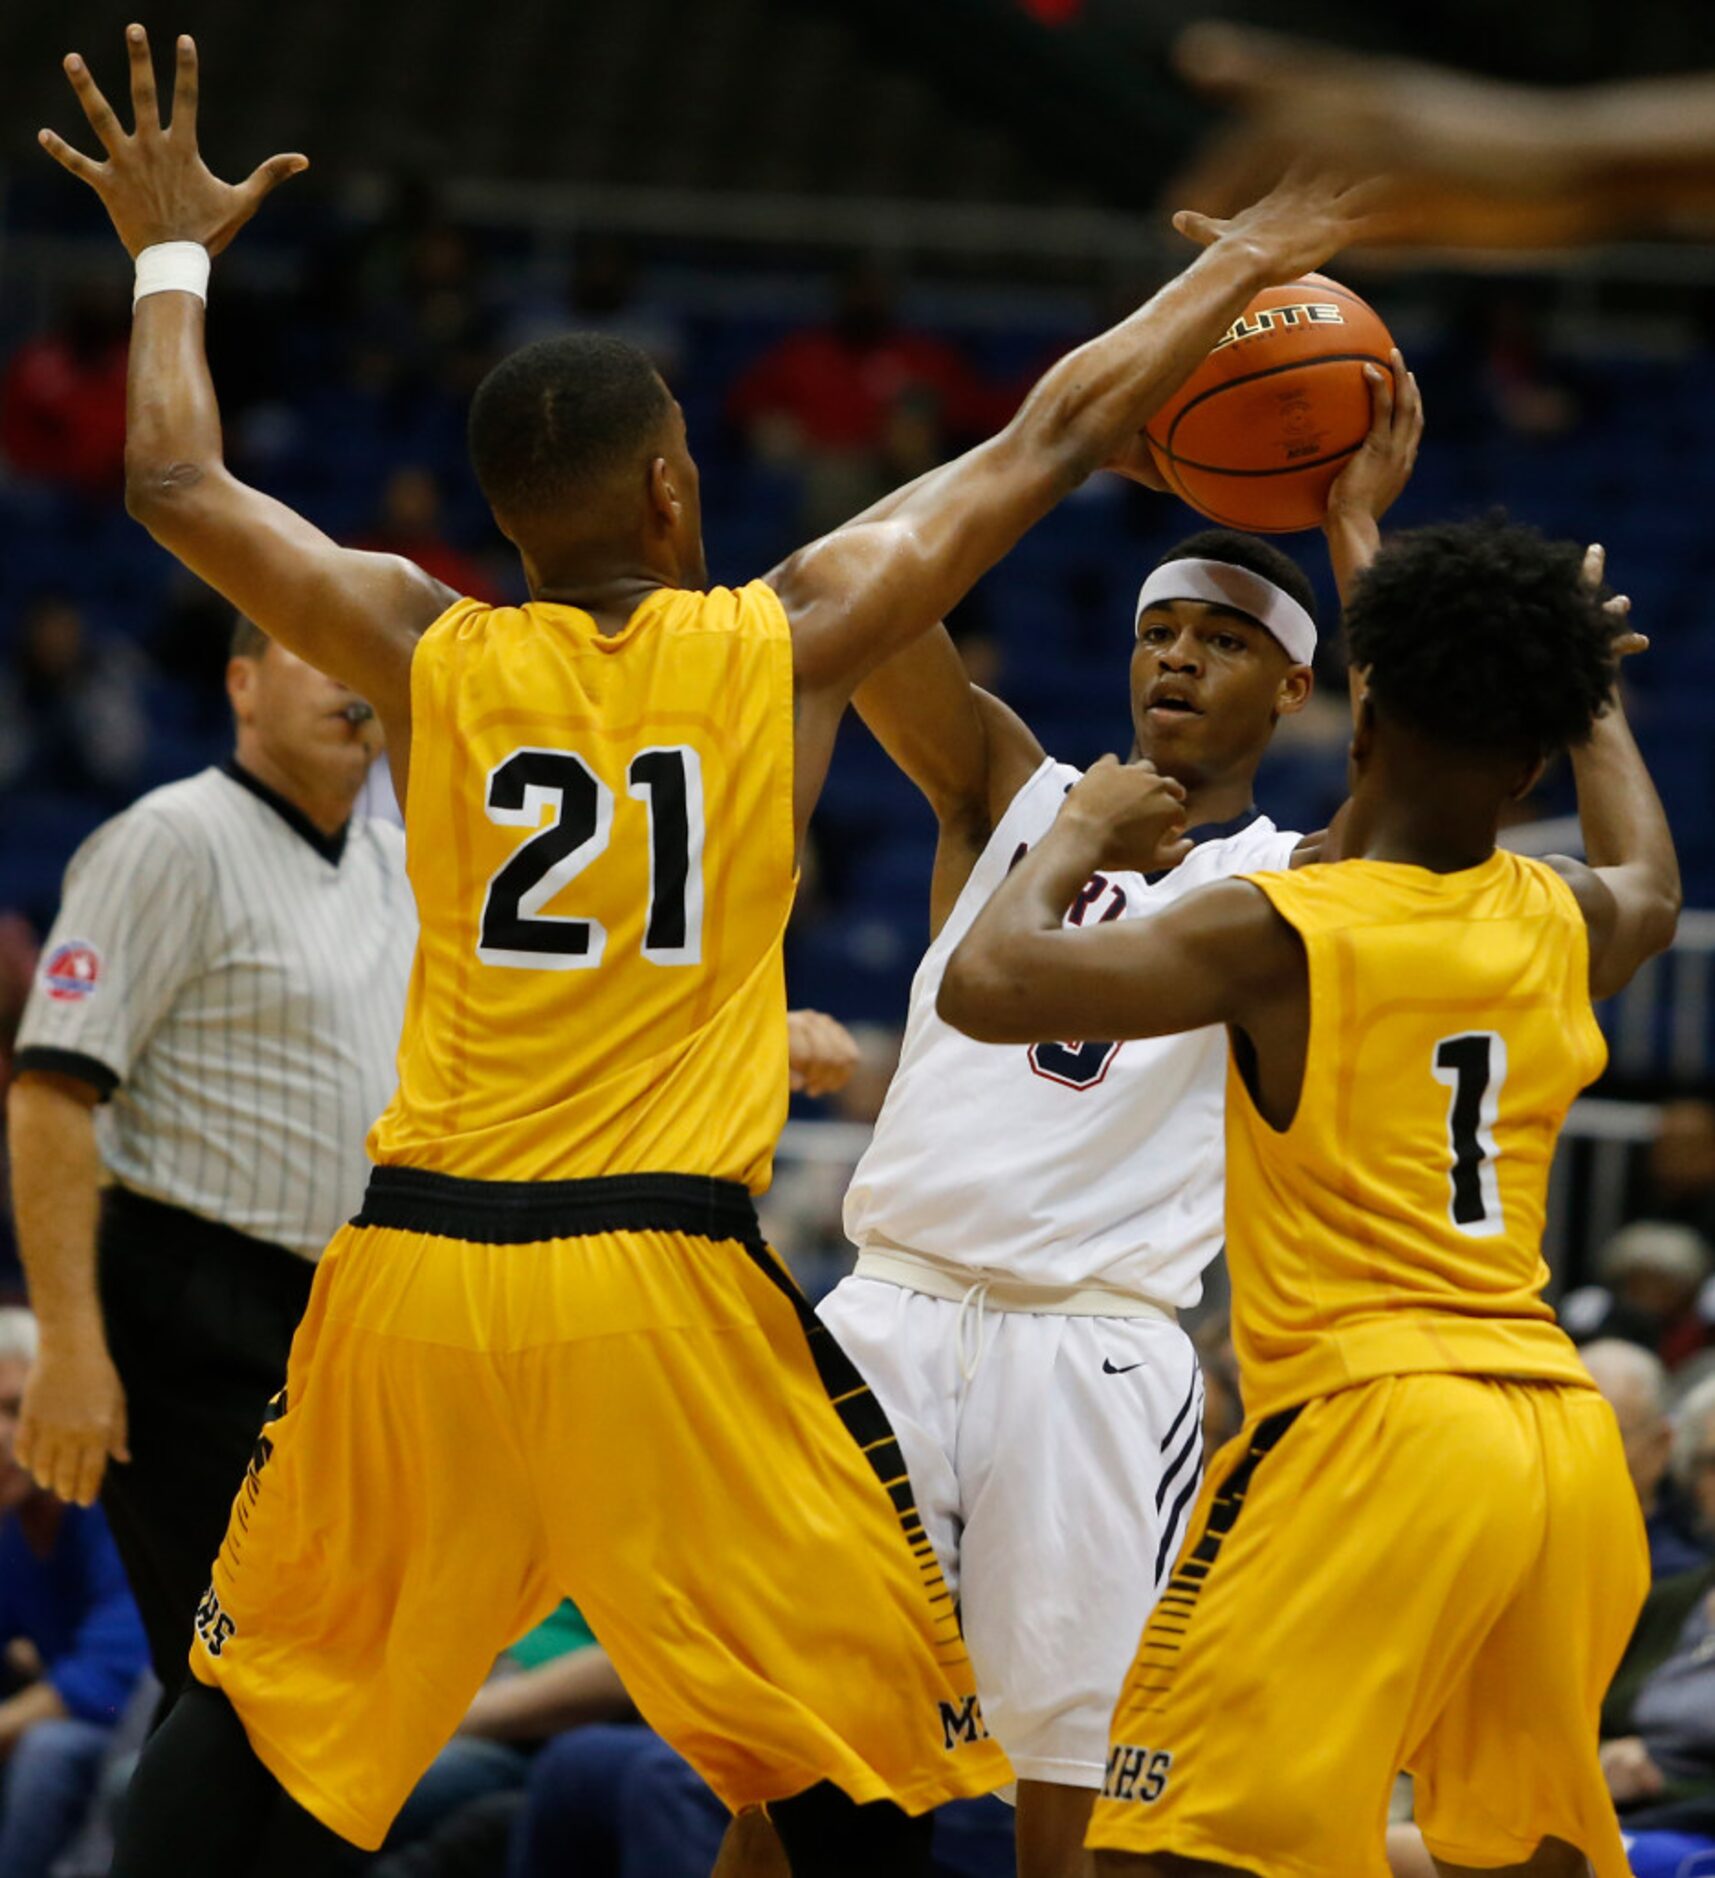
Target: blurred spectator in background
x,y
554,1680
1694,1453
1528,392
411,524
602,296
1634,1381
73,716
802,1212
838,401
73,1642
1682,1165
408,296
617,1802
1650,1282
62,401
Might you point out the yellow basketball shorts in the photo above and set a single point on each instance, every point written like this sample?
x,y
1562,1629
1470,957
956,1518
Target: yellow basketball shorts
x,y
1430,1572
502,1395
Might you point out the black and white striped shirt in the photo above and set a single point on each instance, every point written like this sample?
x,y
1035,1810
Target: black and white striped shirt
x,y
234,980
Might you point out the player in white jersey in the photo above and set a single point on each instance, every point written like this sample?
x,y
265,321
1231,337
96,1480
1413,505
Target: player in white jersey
x,y
1030,1221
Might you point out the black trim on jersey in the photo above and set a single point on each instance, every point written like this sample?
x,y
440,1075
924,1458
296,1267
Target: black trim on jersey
x,y
329,847
1164,1633
73,1063
525,1212
1211,831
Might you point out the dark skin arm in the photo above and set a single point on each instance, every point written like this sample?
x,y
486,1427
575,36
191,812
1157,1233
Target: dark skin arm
x,y
1479,162
864,592
355,616
1628,885
968,752
1222,955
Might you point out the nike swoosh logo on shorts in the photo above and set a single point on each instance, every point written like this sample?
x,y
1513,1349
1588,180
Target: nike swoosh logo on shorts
x,y
1124,1369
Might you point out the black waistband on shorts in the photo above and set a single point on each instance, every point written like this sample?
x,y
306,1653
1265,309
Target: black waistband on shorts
x,y
523,1212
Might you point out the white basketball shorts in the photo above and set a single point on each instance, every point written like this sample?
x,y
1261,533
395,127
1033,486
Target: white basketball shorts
x,y
1055,1483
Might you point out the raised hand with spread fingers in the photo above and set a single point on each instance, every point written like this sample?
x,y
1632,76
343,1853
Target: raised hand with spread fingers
x,y
355,616
154,183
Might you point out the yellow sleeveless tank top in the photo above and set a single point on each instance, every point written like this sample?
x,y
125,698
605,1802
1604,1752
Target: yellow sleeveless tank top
x,y
1396,1226
599,834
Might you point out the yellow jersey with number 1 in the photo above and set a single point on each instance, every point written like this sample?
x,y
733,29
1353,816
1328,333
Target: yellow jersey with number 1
x,y
1396,1226
599,834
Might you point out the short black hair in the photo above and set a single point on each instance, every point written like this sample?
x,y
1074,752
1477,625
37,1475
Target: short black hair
x,y
558,416
1484,636
1247,551
248,640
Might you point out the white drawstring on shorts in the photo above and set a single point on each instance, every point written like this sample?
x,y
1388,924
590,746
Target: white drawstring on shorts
x,y
970,1361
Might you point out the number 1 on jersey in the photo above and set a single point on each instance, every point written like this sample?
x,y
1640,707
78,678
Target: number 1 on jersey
x,y
1473,1065
516,932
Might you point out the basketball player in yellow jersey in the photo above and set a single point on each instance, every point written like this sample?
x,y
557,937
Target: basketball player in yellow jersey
x,y
1422,1550
552,1356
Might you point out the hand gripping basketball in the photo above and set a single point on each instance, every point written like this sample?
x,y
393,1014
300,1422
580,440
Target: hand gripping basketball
x,y
1257,434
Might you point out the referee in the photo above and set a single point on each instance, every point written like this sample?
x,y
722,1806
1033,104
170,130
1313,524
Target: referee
x,y
213,1024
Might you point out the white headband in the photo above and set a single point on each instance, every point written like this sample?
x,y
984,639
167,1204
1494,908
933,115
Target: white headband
x,y
1219,583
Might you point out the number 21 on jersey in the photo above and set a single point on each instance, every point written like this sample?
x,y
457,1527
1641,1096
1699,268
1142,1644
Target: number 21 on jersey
x,y
531,783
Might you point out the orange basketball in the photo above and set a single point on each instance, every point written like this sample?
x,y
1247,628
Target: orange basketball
x,y
1262,427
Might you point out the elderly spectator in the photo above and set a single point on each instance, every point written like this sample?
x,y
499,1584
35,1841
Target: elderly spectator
x,y
1650,1281
1635,1384
1694,1452
74,1644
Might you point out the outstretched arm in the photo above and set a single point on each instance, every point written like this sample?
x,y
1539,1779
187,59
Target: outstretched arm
x,y
968,752
1480,163
1629,886
859,595
355,616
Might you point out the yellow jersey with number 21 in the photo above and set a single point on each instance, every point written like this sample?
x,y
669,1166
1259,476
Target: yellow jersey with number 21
x,y
599,833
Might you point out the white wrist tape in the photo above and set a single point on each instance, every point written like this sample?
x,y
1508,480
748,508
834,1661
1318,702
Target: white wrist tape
x,y
172,267
1219,583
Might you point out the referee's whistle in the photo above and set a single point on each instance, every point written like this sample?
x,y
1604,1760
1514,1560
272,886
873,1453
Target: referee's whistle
x,y
357,712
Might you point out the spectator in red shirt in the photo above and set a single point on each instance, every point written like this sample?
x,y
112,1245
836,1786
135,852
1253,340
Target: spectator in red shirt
x,y
62,401
831,400
410,524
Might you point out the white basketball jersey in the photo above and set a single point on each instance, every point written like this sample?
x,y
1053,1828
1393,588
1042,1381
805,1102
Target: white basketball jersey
x,y
1079,1163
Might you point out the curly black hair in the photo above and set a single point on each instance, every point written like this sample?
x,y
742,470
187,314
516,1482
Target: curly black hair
x,y
1248,551
559,415
1484,635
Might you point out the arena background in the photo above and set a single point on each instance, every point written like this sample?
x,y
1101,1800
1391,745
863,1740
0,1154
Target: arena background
x,y
965,187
